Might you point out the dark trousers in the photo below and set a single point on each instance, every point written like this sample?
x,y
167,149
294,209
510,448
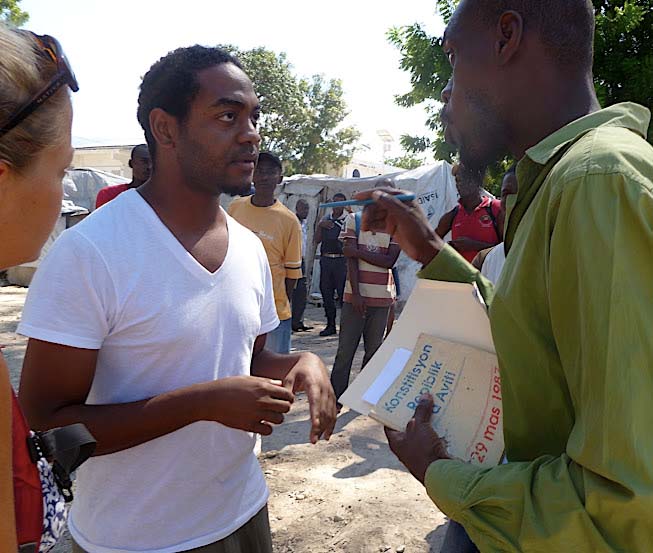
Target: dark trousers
x,y
352,325
253,537
299,300
456,540
333,274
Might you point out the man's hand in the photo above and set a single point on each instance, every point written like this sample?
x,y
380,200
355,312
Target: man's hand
x,y
326,224
419,445
405,221
462,244
310,375
249,403
358,303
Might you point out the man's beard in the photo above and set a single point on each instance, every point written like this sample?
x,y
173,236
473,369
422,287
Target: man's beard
x,y
485,145
202,174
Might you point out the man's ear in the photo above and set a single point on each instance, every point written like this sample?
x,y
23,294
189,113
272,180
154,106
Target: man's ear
x,y
510,29
280,179
130,164
164,127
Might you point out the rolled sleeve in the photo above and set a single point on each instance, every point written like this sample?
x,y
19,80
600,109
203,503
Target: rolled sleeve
x,y
292,262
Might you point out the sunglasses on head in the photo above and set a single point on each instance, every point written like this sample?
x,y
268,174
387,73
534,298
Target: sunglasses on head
x,y
51,50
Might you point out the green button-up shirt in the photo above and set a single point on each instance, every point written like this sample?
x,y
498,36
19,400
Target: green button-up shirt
x,y
572,320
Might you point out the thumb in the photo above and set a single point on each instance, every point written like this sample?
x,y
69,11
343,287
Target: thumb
x,y
392,435
424,409
289,382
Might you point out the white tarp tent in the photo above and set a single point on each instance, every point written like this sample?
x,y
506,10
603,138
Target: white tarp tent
x,y
81,186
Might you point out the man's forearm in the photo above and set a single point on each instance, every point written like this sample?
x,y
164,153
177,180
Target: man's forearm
x,y
123,425
268,364
386,261
290,288
352,271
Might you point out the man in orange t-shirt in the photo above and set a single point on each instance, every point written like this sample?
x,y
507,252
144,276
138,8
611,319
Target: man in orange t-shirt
x,y
279,230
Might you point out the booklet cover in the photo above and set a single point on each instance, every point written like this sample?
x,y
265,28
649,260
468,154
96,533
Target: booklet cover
x,y
441,345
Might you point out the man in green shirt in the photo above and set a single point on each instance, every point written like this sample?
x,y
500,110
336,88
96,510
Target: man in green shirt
x,y
572,314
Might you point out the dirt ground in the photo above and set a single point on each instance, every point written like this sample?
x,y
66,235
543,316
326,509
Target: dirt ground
x,y
346,495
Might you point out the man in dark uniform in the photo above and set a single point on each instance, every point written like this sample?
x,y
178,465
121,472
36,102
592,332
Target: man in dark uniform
x,y
333,266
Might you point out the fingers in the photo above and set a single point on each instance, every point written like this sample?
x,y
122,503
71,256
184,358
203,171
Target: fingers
x,y
390,433
394,438
262,428
313,407
330,414
392,204
383,214
322,406
369,194
289,383
280,392
273,417
276,405
424,409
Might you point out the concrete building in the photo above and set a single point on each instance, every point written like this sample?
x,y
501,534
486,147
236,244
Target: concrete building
x,y
111,159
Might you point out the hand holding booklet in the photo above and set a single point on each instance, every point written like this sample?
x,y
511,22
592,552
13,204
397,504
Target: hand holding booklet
x,y
441,345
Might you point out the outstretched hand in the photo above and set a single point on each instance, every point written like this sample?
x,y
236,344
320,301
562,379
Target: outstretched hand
x,y
419,445
310,375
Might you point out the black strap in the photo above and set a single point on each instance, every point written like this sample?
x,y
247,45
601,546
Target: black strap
x,y
455,211
67,447
494,221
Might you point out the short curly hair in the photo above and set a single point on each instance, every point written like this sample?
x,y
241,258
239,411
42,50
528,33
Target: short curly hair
x,y
172,84
566,27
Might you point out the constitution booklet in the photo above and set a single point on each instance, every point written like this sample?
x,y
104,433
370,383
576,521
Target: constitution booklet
x,y
442,345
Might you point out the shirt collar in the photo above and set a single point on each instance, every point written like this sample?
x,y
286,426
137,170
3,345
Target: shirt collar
x,y
485,201
627,115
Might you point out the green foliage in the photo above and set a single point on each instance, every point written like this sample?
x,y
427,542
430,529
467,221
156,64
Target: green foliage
x,y
623,68
422,56
623,52
407,161
10,11
301,118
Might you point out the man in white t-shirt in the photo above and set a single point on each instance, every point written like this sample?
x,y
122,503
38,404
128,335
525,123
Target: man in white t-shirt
x,y
147,322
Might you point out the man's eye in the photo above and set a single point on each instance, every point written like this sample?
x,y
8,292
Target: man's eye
x,y
229,116
451,57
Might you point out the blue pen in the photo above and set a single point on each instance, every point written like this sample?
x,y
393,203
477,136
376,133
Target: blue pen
x,y
400,197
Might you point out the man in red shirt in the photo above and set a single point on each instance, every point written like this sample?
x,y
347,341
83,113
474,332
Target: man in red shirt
x,y
473,223
141,166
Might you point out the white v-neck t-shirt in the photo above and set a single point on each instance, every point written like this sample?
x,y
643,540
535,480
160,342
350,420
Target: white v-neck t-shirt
x,y
120,282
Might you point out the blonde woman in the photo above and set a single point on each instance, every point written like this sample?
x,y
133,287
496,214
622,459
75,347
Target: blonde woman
x,y
35,150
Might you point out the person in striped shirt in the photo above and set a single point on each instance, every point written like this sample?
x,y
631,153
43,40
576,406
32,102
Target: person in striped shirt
x,y
369,293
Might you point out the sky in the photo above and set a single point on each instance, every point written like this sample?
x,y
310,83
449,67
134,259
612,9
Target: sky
x,y
111,44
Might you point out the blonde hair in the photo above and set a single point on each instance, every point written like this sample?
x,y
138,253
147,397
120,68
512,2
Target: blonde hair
x,y
23,73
